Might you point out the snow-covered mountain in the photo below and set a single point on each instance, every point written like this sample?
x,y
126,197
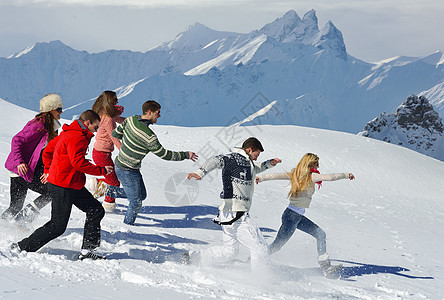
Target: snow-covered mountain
x,y
385,226
414,125
206,77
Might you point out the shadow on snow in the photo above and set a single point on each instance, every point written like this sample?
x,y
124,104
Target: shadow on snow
x,y
367,269
295,274
196,216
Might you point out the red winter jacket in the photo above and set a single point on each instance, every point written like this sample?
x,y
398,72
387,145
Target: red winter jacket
x,y
64,157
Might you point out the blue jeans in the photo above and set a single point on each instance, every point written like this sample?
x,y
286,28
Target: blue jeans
x,y
135,191
292,220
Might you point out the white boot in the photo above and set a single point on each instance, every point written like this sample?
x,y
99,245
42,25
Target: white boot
x,y
109,206
327,268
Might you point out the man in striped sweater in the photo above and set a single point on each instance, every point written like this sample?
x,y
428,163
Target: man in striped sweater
x,y
137,141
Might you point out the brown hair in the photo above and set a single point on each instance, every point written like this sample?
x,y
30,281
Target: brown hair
x,y
48,124
105,104
252,143
150,105
89,115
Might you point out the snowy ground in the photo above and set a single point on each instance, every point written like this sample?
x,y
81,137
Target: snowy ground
x,y
386,226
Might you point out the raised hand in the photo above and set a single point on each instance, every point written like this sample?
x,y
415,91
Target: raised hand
x,y
275,161
193,156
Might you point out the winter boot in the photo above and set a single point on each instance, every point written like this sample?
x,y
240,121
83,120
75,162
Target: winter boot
x,y
327,268
109,206
27,214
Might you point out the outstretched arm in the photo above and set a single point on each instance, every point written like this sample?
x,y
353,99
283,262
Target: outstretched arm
x,y
266,165
273,176
216,162
331,177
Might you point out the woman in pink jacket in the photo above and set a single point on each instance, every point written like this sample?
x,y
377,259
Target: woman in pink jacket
x,y
25,162
109,112
303,179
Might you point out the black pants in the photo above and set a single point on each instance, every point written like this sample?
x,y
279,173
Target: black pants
x,y
19,188
62,201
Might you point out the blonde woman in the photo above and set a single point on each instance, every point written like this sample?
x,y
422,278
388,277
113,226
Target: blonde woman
x,y
303,179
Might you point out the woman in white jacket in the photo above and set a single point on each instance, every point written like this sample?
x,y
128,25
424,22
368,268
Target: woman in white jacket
x,y
303,179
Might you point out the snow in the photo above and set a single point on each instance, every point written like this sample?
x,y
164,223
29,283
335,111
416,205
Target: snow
x,y
386,226
23,52
219,72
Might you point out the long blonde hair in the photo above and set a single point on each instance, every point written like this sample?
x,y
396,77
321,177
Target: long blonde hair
x,y
301,175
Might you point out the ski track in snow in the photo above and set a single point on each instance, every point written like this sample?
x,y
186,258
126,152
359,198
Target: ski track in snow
x,y
376,226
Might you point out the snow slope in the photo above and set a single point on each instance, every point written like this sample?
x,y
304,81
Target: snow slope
x,y
386,226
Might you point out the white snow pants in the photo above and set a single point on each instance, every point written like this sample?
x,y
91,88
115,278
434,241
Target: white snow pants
x,y
244,231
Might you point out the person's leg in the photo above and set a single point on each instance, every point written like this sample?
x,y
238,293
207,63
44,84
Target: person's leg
x,y
105,159
220,254
60,212
37,186
290,220
18,191
249,235
86,202
307,226
31,211
135,191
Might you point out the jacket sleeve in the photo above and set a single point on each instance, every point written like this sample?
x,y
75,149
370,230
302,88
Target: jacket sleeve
x,y
156,148
28,134
48,153
328,177
263,166
217,162
117,133
274,176
76,154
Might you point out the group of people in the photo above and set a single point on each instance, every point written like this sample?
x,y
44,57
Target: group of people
x,y
55,166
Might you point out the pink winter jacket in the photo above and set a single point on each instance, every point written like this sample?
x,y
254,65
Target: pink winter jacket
x,y
26,147
104,141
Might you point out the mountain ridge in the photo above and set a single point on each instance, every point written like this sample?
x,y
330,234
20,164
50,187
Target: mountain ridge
x,y
306,70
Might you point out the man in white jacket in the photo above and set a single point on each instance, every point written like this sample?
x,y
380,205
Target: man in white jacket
x,y
238,175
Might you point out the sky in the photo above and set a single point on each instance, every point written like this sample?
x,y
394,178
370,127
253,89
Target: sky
x,y
372,29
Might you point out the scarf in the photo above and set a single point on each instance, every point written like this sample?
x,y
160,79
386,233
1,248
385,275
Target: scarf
x,y
319,183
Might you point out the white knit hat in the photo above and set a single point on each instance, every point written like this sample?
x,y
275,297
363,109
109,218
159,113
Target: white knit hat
x,y
50,102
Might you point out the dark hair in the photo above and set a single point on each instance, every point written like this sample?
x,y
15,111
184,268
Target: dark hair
x,y
48,124
89,115
104,104
150,105
252,143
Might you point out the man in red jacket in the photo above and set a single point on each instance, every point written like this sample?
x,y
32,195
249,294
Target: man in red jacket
x,y
65,168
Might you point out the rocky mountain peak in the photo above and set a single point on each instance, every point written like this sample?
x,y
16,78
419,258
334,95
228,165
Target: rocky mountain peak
x,y
415,125
418,112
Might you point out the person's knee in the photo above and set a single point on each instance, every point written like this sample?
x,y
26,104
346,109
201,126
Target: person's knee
x,y
99,212
57,231
96,213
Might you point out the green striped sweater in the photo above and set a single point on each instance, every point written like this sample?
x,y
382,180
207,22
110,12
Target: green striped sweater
x,y
137,141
